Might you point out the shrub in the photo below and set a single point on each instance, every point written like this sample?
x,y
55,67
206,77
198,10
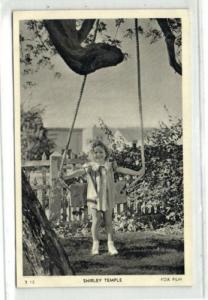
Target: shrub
x,y
158,198
34,139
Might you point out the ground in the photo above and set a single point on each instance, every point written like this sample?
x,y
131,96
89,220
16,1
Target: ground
x,y
139,253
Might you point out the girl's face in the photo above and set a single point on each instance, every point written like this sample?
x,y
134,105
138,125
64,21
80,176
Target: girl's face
x,y
99,154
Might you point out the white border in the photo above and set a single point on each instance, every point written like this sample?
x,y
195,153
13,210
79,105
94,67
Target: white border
x,y
7,144
203,28
2,257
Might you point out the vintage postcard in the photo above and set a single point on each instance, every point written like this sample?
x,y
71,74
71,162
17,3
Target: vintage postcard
x,y
103,148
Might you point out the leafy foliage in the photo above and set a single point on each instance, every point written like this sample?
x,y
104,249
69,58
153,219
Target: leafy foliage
x,y
158,198
34,139
167,135
36,48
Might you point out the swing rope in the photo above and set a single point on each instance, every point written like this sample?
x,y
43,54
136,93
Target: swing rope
x,y
72,126
76,111
139,93
133,184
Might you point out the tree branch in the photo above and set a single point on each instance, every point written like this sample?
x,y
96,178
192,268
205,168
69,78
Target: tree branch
x,y
85,29
82,60
170,43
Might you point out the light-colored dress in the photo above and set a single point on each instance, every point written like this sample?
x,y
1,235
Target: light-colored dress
x,y
100,186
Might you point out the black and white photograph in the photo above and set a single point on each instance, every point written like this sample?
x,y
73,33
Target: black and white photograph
x,y
102,148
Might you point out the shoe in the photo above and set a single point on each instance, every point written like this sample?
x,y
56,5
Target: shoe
x,y
95,248
111,248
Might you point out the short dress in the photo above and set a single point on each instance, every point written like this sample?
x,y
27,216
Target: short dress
x,y
100,185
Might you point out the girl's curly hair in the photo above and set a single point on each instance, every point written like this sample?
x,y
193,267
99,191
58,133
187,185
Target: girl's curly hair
x,y
99,143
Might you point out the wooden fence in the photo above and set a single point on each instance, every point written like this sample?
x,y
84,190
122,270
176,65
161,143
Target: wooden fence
x,y
55,199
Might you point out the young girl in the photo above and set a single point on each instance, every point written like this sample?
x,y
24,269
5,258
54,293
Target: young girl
x,y
101,191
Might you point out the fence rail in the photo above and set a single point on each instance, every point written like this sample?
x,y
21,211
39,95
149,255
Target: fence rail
x,y
55,199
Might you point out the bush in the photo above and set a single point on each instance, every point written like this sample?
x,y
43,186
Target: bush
x,y
158,198
34,139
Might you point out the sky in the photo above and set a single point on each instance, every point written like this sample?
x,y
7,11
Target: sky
x,y
110,93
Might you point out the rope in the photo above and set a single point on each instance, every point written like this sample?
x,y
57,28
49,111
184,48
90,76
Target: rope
x,y
72,126
140,103
76,111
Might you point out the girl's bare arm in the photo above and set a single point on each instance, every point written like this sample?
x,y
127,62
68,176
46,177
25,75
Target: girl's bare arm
x,y
75,173
131,172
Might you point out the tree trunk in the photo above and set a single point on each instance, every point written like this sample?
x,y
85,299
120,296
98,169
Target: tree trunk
x,y
43,254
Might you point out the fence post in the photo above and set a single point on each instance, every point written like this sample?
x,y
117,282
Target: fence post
x,y
44,189
56,195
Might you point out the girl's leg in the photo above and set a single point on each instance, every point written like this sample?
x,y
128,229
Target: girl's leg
x,y
109,229
108,224
96,217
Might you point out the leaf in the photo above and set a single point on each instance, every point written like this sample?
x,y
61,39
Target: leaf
x,y
129,33
57,75
118,22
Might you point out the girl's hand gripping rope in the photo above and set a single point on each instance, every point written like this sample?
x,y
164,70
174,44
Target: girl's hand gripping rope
x,y
140,174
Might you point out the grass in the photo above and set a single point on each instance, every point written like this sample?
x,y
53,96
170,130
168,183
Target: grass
x,y
139,253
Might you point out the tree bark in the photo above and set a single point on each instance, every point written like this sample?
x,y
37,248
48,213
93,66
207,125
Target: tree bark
x,y
43,254
170,44
82,60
